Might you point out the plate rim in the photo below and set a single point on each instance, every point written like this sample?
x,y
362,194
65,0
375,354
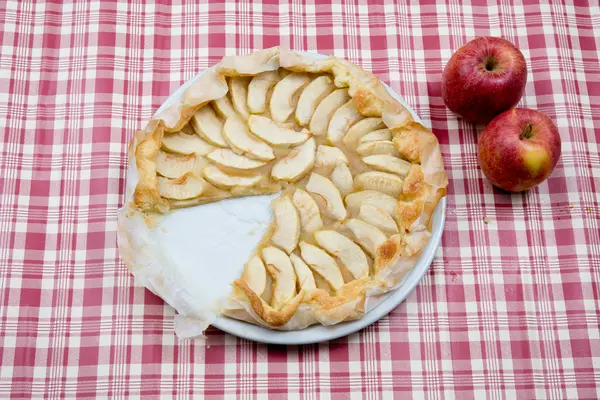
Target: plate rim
x,y
320,333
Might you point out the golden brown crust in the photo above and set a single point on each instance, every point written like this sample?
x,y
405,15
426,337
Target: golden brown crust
x,y
367,103
388,253
430,205
407,140
407,213
146,195
268,314
325,301
414,183
393,263
411,201
347,303
250,64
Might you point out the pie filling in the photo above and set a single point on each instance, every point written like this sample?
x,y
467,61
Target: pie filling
x,y
355,204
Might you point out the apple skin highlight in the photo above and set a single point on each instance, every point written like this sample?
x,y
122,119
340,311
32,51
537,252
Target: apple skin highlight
x,y
514,157
483,78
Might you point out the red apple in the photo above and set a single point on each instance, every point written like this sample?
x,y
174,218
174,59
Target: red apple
x,y
483,78
519,149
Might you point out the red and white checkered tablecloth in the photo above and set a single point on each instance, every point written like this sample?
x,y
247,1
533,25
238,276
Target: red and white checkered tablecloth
x,y
509,308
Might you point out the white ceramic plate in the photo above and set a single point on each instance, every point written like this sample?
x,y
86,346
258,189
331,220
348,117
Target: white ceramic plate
x,y
319,333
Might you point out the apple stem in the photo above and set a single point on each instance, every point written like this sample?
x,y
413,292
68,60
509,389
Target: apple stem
x,y
526,134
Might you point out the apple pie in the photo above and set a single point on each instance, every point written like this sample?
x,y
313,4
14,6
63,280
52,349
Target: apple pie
x,y
358,179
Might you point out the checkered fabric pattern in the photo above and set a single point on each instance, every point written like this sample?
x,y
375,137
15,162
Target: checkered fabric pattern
x,y
508,309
